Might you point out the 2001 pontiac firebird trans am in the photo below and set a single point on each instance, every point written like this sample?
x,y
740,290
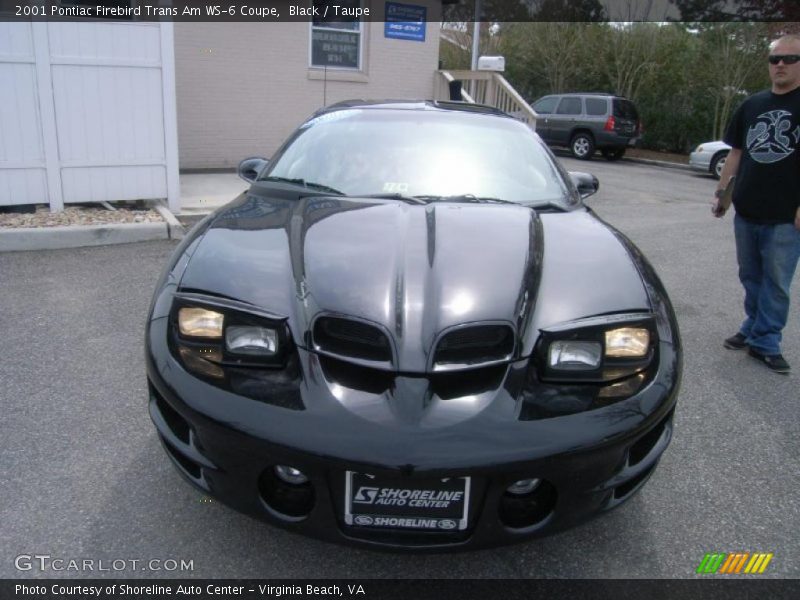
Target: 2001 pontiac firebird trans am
x,y
411,332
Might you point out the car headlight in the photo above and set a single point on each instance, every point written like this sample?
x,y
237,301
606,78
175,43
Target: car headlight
x,y
598,350
210,334
255,341
200,322
627,342
575,355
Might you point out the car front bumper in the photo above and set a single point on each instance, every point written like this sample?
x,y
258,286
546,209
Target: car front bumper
x,y
701,161
225,445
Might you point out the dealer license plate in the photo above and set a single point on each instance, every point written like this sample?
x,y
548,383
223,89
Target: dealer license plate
x,y
427,504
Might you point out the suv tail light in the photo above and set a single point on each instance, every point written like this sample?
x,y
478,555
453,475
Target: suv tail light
x,y
609,126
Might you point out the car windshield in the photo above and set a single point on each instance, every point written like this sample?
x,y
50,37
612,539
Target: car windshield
x,y
432,154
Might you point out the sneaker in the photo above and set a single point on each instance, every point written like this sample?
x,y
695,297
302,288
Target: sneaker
x,y
775,362
735,342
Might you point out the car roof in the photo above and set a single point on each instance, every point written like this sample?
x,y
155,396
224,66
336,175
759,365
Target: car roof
x,y
414,105
584,94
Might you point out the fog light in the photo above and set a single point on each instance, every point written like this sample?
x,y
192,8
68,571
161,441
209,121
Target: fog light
x,y
291,502
520,511
523,486
290,475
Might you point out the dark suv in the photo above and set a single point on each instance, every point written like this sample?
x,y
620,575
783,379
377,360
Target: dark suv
x,y
586,122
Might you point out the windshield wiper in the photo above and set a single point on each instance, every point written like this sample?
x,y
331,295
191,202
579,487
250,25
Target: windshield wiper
x,y
395,196
467,198
307,184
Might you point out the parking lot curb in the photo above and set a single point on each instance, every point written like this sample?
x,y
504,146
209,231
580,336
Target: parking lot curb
x,y
659,163
174,227
76,236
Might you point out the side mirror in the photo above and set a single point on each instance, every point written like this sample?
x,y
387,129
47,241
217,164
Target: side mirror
x,y
586,183
249,168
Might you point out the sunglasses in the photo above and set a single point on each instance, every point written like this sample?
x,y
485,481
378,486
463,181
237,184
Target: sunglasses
x,y
788,59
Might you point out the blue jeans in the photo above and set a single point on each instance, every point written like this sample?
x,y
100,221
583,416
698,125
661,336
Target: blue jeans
x,y
767,256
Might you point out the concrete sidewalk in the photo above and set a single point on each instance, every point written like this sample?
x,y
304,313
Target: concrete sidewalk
x,y
202,193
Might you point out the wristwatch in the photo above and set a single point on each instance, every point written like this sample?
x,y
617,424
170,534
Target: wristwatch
x,y
719,193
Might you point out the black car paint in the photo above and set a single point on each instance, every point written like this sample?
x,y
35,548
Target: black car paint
x,y
400,266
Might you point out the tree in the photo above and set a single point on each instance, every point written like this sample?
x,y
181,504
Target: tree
x,y
738,51
543,57
738,10
629,54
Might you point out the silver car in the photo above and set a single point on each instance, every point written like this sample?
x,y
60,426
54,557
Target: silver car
x,y
709,157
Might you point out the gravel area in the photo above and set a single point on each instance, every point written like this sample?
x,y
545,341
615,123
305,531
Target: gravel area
x,y
79,215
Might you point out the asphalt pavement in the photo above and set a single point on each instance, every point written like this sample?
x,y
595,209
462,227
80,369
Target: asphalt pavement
x,y
82,474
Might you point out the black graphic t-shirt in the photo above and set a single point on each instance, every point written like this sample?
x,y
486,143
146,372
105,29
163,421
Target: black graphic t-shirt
x,y
766,127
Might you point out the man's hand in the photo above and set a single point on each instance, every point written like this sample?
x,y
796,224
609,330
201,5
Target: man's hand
x,y
797,219
719,212
729,170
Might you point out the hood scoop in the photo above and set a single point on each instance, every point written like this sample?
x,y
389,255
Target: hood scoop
x,y
474,346
352,340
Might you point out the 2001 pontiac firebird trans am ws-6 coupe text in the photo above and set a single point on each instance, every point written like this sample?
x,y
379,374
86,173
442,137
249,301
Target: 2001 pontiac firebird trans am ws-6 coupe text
x,y
411,333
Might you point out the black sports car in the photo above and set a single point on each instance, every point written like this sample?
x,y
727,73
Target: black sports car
x,y
411,333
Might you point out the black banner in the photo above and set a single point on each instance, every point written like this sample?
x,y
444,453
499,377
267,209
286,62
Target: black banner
x,y
405,589
375,10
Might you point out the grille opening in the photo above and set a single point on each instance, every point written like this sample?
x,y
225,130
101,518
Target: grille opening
x,y
448,386
286,501
526,510
187,465
626,488
356,377
176,423
646,443
481,343
352,338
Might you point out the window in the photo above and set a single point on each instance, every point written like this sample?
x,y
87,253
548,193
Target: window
x,y
624,109
336,41
569,106
596,106
546,105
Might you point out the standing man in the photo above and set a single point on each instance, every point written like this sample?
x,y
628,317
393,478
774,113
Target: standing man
x,y
764,135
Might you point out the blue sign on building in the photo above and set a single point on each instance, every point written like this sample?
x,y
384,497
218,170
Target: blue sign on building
x,y
405,22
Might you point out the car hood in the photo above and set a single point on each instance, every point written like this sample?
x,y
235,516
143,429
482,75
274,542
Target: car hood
x,y
413,270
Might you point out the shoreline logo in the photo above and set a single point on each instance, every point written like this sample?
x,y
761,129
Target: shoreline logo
x,y
736,563
366,495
